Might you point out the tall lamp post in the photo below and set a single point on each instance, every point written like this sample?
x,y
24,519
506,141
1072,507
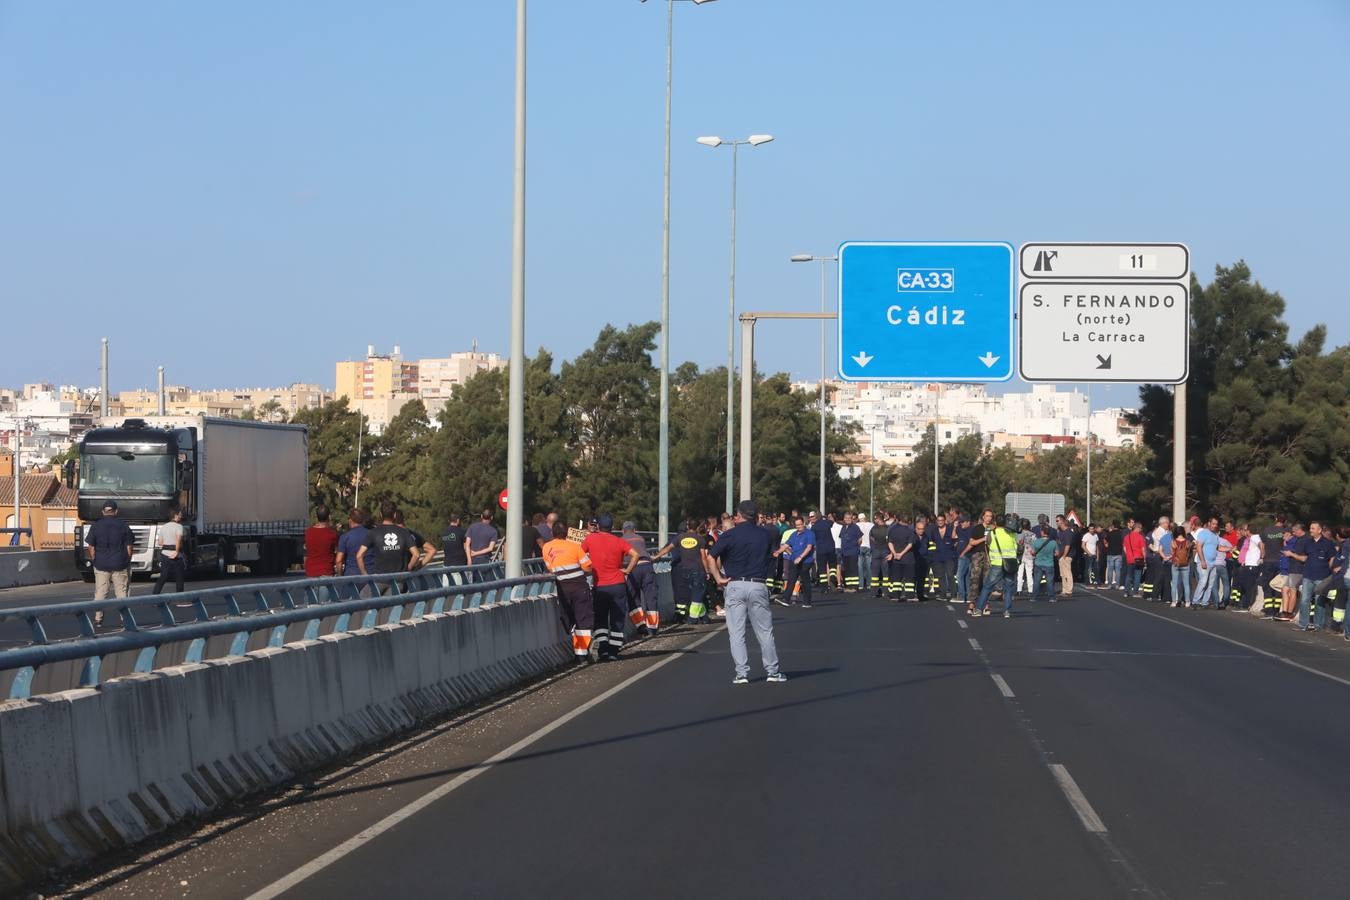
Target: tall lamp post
x,y
515,407
663,453
753,140
824,261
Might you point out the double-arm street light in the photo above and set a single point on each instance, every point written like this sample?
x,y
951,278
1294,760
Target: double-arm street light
x,y
663,454
753,140
824,261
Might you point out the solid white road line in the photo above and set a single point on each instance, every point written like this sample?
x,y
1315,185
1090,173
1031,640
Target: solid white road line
x,y
319,863
974,644
1002,685
1236,643
1086,814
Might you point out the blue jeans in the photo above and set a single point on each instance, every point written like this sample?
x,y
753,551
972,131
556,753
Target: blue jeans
x,y
1043,581
1181,584
1134,576
1204,584
1114,565
865,568
1307,603
1223,585
963,578
995,580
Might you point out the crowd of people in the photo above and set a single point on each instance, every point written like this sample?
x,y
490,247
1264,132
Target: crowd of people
x,y
724,566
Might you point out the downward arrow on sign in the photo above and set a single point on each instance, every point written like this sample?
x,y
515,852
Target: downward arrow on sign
x,y
1103,362
989,359
862,359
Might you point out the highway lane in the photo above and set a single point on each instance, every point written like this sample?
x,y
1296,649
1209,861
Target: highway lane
x,y
1083,749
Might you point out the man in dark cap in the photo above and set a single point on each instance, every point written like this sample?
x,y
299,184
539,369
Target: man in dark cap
x,y
110,544
612,560
743,553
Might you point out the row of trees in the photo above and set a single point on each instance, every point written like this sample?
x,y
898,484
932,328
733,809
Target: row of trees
x,y
973,477
1268,431
590,442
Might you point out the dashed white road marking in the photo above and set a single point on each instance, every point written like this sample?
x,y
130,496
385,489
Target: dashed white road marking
x,y
1086,814
1002,685
974,644
962,623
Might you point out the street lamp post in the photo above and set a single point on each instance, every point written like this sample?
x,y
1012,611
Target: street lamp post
x,y
663,452
823,260
872,481
753,140
515,408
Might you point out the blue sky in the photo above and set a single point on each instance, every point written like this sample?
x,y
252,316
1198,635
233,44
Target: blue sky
x,y
248,192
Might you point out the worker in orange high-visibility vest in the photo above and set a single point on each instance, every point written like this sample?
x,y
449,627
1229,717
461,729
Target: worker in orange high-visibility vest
x,y
569,565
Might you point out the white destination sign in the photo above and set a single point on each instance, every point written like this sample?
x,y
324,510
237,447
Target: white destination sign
x,y
1104,331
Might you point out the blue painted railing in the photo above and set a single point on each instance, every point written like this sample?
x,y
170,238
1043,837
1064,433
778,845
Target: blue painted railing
x,y
349,603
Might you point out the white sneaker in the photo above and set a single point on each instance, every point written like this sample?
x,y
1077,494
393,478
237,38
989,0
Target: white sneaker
x,y
776,678
740,679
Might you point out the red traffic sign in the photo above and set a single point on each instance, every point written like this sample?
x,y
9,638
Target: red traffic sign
x,y
501,499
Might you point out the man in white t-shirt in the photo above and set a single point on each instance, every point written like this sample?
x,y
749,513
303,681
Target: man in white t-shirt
x,y
1090,555
1250,552
172,559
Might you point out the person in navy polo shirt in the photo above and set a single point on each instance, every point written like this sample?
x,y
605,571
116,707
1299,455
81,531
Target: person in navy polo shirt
x,y
1318,555
743,553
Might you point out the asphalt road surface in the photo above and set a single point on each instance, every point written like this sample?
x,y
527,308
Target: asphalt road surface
x,y
1089,748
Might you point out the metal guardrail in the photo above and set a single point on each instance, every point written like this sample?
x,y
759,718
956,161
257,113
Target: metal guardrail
x,y
349,602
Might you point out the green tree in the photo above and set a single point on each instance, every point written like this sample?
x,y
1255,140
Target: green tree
x,y
611,416
465,468
1266,420
399,469
333,432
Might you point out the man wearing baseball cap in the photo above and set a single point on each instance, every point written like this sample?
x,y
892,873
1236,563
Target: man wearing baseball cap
x,y
743,553
110,544
612,561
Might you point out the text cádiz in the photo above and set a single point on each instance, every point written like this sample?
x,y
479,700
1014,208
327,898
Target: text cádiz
x,y
933,315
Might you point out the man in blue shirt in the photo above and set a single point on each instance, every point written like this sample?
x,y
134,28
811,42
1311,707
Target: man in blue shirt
x,y
850,549
900,538
946,558
743,553
826,558
799,550
1318,555
1206,562
354,538
961,540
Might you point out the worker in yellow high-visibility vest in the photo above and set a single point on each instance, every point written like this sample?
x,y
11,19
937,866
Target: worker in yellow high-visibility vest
x,y
1002,543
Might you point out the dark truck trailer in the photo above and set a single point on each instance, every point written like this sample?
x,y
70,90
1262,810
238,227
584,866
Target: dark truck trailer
x,y
242,487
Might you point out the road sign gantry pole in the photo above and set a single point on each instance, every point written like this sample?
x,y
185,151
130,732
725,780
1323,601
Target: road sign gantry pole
x,y
748,321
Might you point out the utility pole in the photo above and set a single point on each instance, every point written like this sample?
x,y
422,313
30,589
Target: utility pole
x,y
162,404
103,382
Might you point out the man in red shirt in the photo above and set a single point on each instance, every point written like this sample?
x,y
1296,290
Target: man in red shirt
x,y
612,560
321,540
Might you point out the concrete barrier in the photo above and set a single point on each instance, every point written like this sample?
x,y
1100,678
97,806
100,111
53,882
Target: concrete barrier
x,y
85,771
21,568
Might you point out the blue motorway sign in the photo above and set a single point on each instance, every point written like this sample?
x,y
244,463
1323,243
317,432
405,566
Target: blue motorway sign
x,y
926,311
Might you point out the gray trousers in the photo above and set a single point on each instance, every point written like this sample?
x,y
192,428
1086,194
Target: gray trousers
x,y
749,599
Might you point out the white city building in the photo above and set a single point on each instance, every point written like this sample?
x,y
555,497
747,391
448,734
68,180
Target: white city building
x,y
893,417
